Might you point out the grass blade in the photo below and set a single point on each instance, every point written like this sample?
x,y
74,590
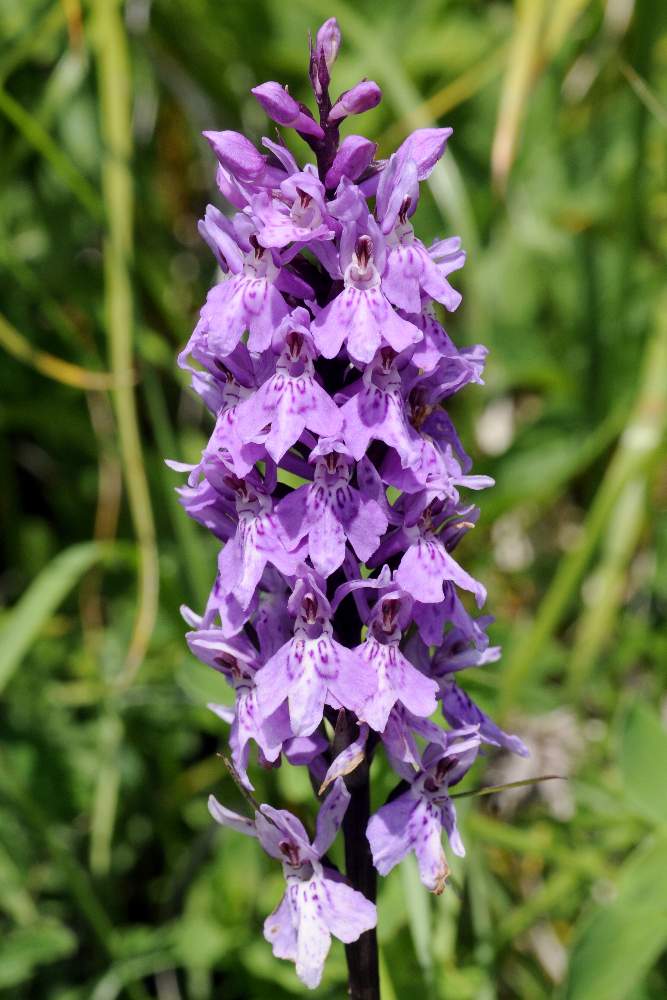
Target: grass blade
x,y
23,623
636,452
110,46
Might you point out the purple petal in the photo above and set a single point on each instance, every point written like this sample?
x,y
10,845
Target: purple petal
x,y
330,817
225,817
345,911
347,760
280,929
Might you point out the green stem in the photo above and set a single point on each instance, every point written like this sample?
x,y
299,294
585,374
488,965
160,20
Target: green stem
x,y
110,47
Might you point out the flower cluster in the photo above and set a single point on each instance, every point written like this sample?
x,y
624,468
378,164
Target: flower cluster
x,y
321,355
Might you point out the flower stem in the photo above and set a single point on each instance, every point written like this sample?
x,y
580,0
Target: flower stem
x,y
362,955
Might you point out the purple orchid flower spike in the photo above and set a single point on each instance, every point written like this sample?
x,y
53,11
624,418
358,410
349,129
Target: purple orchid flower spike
x,y
318,903
414,821
338,489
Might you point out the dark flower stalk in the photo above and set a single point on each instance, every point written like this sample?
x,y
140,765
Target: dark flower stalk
x,y
336,614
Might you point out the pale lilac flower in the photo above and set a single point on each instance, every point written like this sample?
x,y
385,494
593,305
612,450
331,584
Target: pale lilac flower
x,y
312,669
329,512
292,399
258,541
427,565
397,680
247,300
297,214
361,316
414,821
317,903
238,661
376,411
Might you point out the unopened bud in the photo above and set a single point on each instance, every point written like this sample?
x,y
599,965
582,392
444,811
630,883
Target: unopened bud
x,y
362,97
353,157
283,109
236,154
328,42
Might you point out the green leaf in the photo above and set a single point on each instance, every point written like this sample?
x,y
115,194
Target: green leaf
x,y
22,950
644,763
620,942
22,625
418,906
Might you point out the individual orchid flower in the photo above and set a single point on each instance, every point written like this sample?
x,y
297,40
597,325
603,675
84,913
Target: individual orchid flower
x,y
376,411
364,96
258,541
330,512
397,680
312,669
295,214
353,158
414,821
238,661
411,270
427,564
317,903
283,109
292,399
247,300
361,316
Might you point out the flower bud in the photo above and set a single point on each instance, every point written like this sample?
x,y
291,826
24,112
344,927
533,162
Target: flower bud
x,y
281,107
362,97
328,42
354,155
236,154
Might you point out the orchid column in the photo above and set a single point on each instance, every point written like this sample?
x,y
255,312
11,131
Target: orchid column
x,y
339,614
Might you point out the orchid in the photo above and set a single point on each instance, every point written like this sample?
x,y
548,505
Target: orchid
x,y
339,489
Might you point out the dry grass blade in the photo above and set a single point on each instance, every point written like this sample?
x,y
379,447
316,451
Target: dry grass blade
x,y
522,66
61,371
539,33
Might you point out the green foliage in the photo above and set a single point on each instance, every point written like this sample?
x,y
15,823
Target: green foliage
x,y
113,882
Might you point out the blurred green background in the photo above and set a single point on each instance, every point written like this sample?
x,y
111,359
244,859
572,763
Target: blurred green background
x,y
113,881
